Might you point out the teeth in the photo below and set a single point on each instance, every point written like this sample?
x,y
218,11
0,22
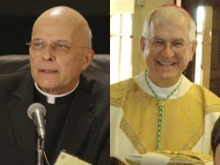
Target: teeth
x,y
165,63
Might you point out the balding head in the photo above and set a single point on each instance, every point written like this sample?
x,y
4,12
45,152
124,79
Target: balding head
x,y
69,18
60,49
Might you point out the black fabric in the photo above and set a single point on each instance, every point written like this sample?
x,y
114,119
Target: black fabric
x,y
215,136
85,132
56,115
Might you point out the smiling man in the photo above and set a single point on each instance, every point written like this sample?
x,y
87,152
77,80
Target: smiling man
x,y
77,104
160,109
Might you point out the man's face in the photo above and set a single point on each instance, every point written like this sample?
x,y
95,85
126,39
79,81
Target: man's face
x,y
55,63
168,52
217,156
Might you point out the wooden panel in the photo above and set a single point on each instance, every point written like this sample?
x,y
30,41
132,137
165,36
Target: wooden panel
x,y
191,7
215,53
216,3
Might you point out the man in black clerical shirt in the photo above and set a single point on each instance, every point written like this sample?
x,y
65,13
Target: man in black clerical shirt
x,y
77,105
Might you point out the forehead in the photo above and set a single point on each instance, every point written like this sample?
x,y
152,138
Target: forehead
x,y
170,30
54,29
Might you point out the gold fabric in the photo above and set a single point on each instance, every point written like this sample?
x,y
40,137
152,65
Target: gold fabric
x,y
183,117
187,158
180,158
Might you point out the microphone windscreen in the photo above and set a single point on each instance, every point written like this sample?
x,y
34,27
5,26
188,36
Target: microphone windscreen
x,y
36,106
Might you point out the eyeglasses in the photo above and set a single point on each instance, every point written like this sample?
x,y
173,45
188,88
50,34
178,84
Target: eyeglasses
x,y
175,45
59,47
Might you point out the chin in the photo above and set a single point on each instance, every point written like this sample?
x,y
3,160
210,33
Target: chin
x,y
47,86
170,75
166,76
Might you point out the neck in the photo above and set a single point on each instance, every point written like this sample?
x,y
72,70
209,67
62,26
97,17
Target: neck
x,y
159,92
52,97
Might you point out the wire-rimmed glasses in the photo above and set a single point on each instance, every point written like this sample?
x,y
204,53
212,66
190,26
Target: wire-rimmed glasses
x,y
59,47
176,45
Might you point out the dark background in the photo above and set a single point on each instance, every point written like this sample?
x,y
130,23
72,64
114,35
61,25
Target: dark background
x,y
17,18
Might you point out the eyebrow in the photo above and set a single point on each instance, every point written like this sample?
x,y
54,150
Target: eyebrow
x,y
159,38
36,39
57,41
66,41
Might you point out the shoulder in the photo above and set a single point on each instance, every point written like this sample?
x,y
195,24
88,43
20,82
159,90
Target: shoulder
x,y
94,86
208,96
10,82
118,91
97,92
211,100
12,78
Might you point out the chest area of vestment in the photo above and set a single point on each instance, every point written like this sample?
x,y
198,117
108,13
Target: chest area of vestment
x,y
182,121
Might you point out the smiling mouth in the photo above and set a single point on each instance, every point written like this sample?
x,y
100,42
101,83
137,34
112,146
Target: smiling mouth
x,y
165,63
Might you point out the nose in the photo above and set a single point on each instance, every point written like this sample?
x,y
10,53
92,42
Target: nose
x,y
48,53
167,51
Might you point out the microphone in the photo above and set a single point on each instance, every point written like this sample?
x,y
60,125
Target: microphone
x,y
37,112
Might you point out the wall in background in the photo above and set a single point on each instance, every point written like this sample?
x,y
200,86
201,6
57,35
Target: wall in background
x,y
30,7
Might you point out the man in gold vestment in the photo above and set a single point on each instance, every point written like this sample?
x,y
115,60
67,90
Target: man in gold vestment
x,y
160,112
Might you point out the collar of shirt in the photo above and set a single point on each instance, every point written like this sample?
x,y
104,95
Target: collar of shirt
x,y
51,99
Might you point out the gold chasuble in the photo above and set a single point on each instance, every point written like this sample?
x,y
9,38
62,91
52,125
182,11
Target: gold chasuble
x,y
183,117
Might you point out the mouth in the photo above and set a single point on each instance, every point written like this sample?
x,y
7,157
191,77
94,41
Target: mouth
x,y
49,71
163,63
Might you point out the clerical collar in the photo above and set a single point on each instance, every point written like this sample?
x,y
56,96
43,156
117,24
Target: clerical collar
x,y
163,92
51,99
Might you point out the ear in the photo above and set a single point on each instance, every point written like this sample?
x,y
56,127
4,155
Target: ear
x,y
142,44
193,49
88,57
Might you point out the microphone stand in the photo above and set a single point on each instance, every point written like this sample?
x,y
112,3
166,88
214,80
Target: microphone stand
x,y
40,151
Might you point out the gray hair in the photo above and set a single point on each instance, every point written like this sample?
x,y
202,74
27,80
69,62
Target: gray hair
x,y
168,14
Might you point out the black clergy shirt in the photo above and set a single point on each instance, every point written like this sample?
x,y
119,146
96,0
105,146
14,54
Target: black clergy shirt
x,y
56,115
